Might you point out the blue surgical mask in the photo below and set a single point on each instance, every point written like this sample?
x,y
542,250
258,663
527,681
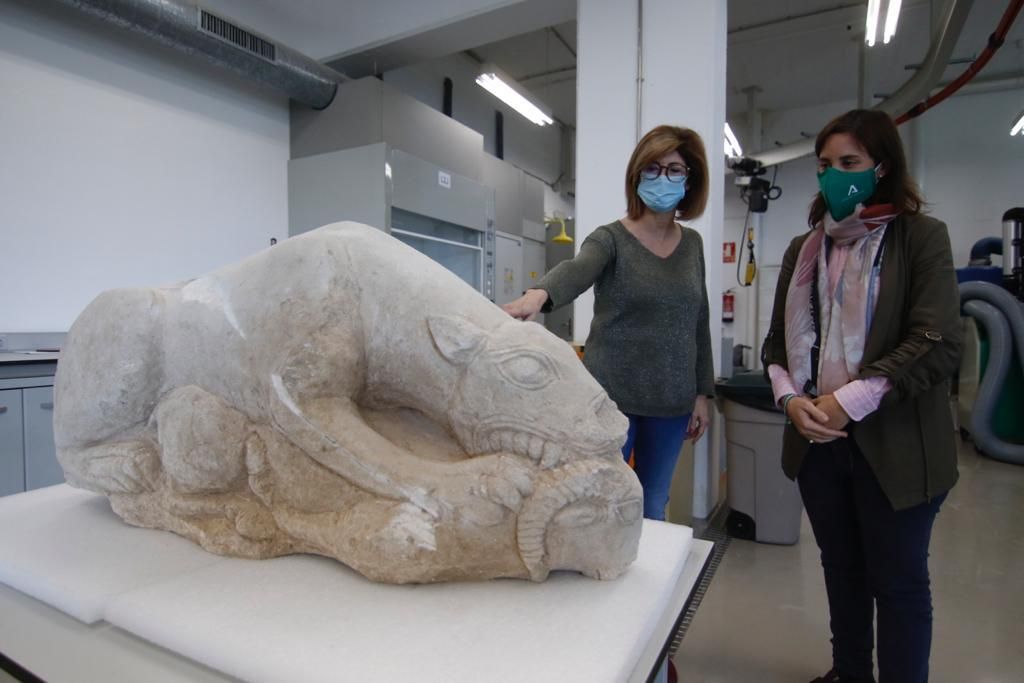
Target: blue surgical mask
x,y
661,195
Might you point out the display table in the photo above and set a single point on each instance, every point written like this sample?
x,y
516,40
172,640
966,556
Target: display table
x,y
89,598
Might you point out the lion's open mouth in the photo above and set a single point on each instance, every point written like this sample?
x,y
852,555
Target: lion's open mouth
x,y
530,444
547,453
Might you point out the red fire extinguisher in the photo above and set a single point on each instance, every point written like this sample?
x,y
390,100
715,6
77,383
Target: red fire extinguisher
x,y
728,306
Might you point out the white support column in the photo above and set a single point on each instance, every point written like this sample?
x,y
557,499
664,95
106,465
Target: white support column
x,y
683,48
606,72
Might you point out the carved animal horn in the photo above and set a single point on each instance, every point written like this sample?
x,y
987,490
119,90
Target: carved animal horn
x,y
555,490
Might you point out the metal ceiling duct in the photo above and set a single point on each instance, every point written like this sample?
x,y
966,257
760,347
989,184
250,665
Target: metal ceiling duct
x,y
910,93
196,31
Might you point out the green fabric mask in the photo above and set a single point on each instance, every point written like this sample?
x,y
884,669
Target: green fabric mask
x,y
844,190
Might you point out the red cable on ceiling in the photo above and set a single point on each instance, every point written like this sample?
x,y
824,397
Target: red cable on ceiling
x,y
995,41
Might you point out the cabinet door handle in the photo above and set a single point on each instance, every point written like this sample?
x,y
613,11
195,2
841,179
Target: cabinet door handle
x,y
3,409
46,406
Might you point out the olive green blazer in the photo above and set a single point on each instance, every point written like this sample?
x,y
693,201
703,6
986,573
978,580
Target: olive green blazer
x,y
915,341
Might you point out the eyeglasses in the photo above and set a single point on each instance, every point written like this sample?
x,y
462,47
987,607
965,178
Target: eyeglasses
x,y
675,172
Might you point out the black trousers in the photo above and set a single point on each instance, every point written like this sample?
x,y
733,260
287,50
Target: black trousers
x,y
873,557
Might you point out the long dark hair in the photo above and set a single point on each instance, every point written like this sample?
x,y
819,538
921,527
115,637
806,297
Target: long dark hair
x,y
877,134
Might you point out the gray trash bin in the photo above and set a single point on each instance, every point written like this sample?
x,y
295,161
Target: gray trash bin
x,y
764,505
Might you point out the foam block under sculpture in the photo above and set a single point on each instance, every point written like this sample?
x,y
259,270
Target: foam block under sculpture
x,y
342,394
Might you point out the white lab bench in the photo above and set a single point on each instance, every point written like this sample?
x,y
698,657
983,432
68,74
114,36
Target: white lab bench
x,y
89,598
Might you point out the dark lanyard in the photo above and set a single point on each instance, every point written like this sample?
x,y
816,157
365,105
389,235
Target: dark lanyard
x,y
811,385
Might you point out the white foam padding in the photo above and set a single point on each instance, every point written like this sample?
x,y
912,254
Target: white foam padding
x,y
308,619
67,548
313,619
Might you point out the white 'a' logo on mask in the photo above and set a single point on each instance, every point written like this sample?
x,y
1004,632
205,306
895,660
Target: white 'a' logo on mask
x,y
853,191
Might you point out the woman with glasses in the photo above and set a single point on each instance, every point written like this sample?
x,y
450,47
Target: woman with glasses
x,y
650,341
864,337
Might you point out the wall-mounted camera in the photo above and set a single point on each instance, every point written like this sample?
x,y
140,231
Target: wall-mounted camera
x,y
755,191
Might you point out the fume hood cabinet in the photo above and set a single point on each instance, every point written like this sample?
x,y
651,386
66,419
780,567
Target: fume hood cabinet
x,y
385,159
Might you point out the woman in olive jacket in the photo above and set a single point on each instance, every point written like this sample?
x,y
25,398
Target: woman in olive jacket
x,y
864,337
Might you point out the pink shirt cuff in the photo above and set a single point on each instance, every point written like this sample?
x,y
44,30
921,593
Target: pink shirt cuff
x,y
782,383
861,397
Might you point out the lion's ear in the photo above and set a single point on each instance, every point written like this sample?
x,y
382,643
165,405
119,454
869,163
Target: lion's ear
x,y
456,338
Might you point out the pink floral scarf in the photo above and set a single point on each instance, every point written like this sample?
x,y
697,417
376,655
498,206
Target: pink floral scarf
x,y
847,282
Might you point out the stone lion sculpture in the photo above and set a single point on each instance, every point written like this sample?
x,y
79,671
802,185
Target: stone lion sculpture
x,y
342,394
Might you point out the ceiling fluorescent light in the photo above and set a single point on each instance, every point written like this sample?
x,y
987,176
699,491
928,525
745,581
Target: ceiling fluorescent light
x,y
871,27
891,9
892,15
1018,128
497,82
732,145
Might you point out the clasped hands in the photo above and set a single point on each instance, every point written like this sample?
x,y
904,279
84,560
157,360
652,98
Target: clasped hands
x,y
819,420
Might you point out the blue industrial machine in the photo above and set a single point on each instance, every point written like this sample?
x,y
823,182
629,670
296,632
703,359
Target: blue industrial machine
x,y
991,388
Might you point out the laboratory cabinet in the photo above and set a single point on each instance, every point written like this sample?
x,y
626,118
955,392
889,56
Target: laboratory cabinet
x,y
380,157
41,466
441,214
28,455
12,443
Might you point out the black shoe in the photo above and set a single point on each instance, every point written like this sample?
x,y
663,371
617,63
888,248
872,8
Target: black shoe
x,y
830,677
833,677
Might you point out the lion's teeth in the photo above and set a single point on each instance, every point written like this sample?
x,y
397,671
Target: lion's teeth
x,y
552,455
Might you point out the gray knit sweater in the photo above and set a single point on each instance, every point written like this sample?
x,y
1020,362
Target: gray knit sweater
x,y
650,341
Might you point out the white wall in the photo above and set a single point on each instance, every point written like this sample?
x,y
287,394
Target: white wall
x,y
969,167
558,204
124,164
535,149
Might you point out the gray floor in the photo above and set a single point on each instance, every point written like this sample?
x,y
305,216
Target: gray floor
x,y
765,618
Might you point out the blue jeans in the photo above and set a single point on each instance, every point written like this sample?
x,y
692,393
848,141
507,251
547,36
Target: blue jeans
x,y
655,443
874,558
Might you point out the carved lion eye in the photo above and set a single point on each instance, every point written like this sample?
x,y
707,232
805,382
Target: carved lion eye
x,y
527,370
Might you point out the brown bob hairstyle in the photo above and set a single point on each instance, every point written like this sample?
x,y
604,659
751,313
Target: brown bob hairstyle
x,y
657,143
876,132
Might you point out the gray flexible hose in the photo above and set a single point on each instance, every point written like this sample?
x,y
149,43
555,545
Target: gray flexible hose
x,y
1002,316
